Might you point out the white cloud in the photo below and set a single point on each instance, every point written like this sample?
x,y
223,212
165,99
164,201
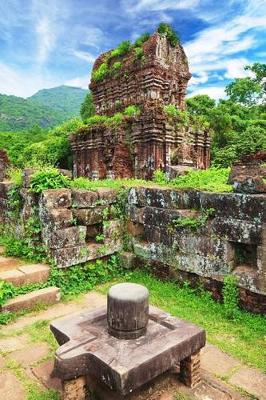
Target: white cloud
x,y
84,55
80,81
235,68
23,84
216,92
158,5
217,47
47,18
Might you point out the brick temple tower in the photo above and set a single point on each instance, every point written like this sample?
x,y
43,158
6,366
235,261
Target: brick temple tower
x,y
150,78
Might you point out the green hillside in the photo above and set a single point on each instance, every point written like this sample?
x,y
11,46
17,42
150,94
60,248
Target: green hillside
x,y
64,99
47,108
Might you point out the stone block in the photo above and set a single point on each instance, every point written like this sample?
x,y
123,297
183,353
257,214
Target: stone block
x,y
112,231
56,198
82,198
235,205
48,295
236,230
68,256
89,216
136,214
127,260
135,229
67,237
57,218
107,195
164,198
4,188
27,175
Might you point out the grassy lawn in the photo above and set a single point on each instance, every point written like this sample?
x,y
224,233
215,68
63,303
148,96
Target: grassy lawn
x,y
244,338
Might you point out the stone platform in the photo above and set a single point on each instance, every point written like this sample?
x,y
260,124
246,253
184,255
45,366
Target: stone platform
x,y
125,365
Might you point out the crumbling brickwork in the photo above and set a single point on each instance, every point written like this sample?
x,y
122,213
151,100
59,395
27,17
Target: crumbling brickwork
x,y
149,140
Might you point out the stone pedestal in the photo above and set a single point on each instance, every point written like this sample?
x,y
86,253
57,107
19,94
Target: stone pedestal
x,y
190,370
74,389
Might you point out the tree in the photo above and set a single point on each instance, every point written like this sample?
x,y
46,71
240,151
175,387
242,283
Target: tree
x,y
245,91
200,104
249,91
87,107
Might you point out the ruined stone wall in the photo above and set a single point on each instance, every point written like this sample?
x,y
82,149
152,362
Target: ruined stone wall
x,y
229,236
231,241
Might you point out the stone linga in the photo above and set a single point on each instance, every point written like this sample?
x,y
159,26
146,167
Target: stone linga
x,y
150,78
124,346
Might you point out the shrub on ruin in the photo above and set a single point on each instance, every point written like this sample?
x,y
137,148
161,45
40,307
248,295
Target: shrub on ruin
x,y
139,54
132,111
169,32
122,49
116,66
101,72
142,39
48,178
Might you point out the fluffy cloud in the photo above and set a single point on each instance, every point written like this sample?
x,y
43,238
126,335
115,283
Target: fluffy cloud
x,y
220,47
23,84
81,81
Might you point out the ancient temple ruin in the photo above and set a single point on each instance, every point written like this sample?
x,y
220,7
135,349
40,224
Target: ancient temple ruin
x,y
150,77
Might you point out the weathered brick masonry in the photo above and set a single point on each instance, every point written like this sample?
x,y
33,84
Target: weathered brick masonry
x,y
150,140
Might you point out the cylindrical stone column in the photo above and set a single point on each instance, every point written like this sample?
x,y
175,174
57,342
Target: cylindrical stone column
x,y
127,310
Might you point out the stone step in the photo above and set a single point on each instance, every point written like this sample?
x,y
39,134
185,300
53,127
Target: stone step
x,y
26,274
7,263
28,301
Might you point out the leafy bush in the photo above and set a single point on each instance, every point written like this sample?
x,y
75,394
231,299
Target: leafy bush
x,y
142,39
116,65
230,296
96,120
131,110
101,72
7,291
212,179
87,108
194,223
49,178
139,54
159,177
181,117
122,49
169,32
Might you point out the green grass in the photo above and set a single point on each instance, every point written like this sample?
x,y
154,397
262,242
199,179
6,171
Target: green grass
x,y
243,338
33,390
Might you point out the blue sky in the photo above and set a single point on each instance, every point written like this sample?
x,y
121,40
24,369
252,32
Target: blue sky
x,y
46,43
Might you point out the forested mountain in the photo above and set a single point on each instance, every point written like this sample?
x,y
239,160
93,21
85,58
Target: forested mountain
x,y
64,99
47,108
